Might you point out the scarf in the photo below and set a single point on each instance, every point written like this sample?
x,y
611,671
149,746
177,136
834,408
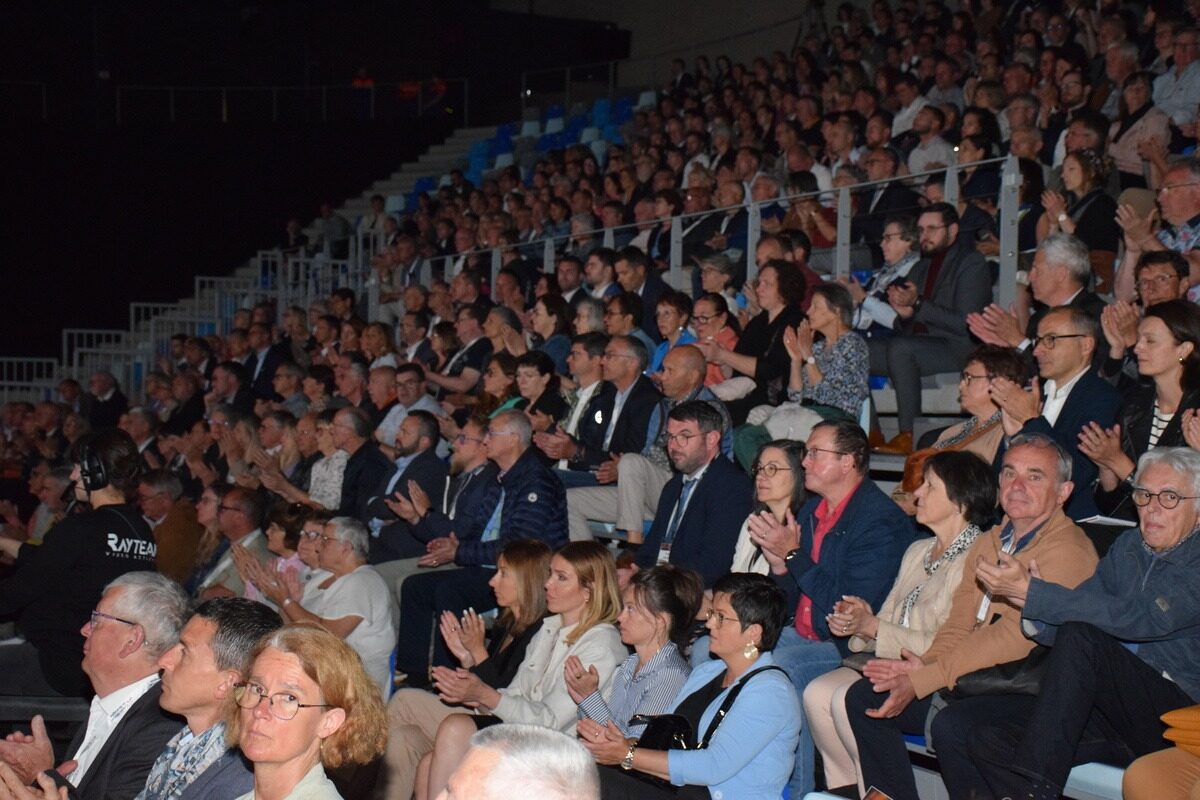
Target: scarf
x,y
960,545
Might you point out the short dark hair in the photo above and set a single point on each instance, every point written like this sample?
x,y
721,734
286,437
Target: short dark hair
x,y
593,343
791,282
634,256
629,303
240,624
850,439
1001,362
839,300
556,307
473,311
1182,318
1154,257
638,348
323,374
970,484
757,601
707,418
412,368
238,372
947,212
676,592
428,425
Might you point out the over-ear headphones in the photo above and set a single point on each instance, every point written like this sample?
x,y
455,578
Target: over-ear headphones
x,y
92,471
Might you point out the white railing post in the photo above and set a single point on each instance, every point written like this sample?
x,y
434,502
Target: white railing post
x,y
842,253
1010,187
753,233
676,270
950,187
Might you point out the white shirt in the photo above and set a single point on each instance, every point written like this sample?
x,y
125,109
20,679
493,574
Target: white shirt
x,y
1056,397
902,122
581,401
105,715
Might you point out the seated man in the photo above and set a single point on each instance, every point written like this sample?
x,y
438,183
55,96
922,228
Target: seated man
x,y
701,509
173,520
136,621
531,505
640,477
982,630
366,465
416,462
239,519
1123,648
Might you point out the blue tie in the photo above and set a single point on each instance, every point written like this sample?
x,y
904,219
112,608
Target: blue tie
x,y
680,507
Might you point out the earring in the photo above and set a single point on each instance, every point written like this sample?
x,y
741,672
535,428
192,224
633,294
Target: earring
x,y
750,651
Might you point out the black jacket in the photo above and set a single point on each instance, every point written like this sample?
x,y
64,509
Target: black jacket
x,y
263,386
464,508
629,434
396,539
364,470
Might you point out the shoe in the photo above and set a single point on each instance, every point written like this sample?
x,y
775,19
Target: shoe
x,y
876,440
902,444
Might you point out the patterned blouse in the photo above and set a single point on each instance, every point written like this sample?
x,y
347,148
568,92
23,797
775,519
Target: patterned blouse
x,y
844,375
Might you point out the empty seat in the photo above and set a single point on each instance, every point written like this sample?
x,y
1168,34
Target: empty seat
x,y
425,183
588,135
601,110
531,127
555,125
612,134
445,180
504,160
647,99
555,111
600,151
393,204
479,148
532,113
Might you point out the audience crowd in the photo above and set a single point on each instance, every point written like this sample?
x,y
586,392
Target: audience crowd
x,y
501,515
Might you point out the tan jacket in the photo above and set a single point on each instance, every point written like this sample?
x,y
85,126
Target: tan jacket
x,y
1064,556
928,613
176,539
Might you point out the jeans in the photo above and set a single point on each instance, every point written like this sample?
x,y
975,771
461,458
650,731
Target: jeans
x,y
804,660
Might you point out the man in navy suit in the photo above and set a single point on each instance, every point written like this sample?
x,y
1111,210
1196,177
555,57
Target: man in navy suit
x,y
416,461
1071,396
702,508
636,274
266,359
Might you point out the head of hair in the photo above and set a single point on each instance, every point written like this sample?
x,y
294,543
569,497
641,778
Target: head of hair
x,y
793,453
947,212
1062,469
518,423
1183,460
637,348
630,304
970,484
116,451
596,571
1093,165
557,308
1151,258
538,761
1000,362
290,518
701,412
427,425
667,589
236,371
163,480
352,532
849,438
358,421
155,602
839,300
323,374
338,672
678,301
1063,249
757,601
791,282
240,623
506,316
528,560
1182,318
542,362
593,343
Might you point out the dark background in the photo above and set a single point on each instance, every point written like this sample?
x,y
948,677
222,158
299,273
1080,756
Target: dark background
x,y
96,215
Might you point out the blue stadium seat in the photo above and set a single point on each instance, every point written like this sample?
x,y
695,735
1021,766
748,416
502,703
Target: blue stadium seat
x,y
600,151
503,160
500,145
612,134
394,204
555,125
425,184
601,110
589,135
647,99
531,128
555,111
507,130
479,148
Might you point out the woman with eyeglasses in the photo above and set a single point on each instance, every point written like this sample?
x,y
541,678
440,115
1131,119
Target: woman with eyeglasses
x,y
284,530
306,705
714,323
353,603
956,500
1168,353
778,492
414,715
751,747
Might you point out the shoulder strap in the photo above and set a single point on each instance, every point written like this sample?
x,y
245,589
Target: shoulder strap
x,y
729,701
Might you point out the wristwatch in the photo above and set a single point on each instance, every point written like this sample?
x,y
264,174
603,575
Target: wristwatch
x,y
1062,217
791,554
810,361
627,761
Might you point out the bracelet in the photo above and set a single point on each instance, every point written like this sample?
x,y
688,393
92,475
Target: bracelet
x,y
627,761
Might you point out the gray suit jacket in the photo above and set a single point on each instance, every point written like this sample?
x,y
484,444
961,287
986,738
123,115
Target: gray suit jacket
x,y
963,286
231,775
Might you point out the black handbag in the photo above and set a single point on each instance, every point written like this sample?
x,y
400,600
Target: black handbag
x,y
1023,676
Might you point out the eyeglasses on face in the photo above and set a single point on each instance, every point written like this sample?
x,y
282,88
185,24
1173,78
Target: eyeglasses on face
x,y
283,705
462,438
98,615
1167,498
770,469
967,377
812,451
681,438
493,434
720,617
1049,340
1157,280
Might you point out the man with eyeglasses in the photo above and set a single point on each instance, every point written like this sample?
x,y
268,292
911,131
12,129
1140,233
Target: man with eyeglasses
x,y
173,520
887,199
1123,645
1179,204
531,505
239,518
1177,91
55,584
411,395
137,620
1160,275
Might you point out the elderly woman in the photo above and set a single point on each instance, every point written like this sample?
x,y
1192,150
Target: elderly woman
x,y
714,322
751,742
656,621
1123,649
873,316
956,500
415,714
672,315
1168,354
582,597
1139,125
551,321
325,478
353,603
717,274
285,525
306,705
778,473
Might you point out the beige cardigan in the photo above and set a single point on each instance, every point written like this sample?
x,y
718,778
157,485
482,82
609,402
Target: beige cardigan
x,y
928,613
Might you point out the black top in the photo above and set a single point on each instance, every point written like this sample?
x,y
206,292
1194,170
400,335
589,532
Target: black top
x,y
83,552
1093,214
502,663
763,339
693,706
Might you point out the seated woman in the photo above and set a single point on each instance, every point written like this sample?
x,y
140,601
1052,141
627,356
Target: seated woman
x,y
715,323
778,473
325,478
1099,698
901,246
1138,124
981,432
656,621
415,714
1168,353
1086,212
379,345
551,321
499,393
306,705
956,501
284,527
828,378
673,314
581,595
353,602
538,385
750,752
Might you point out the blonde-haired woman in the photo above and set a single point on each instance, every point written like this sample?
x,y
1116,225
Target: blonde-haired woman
x,y
306,705
582,597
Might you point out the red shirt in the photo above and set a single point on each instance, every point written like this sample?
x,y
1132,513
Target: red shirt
x,y
826,519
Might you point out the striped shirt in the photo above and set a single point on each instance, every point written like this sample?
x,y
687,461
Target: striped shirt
x,y
631,691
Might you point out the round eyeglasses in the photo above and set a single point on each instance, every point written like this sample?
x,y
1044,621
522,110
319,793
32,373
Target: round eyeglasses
x,y
1167,498
283,705
770,470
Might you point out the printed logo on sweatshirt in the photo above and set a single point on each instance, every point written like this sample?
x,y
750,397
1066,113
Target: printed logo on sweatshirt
x,y
134,548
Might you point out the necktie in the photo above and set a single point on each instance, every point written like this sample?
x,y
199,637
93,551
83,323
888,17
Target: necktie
x,y
680,508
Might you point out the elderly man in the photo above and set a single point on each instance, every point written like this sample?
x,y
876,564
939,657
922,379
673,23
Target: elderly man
x,y
104,402
289,384
239,518
137,619
1123,649
982,629
509,760
1179,202
173,520
1177,91
531,505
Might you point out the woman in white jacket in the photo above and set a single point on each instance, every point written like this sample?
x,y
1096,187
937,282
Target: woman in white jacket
x,y
582,597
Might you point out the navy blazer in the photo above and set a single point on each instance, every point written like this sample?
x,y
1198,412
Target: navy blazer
x,y
629,435
859,556
710,527
264,385
396,539
231,775
471,512
1093,399
652,290
120,769
364,470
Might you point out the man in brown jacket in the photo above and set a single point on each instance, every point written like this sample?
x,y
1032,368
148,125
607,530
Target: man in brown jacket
x,y
981,631
172,517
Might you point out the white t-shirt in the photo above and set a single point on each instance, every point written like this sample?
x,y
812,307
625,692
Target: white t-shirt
x,y
363,593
